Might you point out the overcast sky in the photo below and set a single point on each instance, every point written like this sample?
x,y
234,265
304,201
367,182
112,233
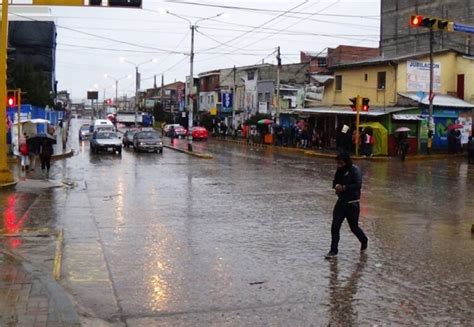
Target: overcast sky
x,y
91,40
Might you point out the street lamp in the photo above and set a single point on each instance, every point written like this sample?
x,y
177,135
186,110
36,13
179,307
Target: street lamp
x,y
191,74
116,84
137,81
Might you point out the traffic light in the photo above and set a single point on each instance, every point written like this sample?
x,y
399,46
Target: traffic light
x,y
416,21
108,101
359,103
431,22
11,99
354,103
365,104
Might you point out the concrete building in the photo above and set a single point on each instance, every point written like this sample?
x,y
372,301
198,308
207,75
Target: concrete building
x,y
170,95
32,40
399,39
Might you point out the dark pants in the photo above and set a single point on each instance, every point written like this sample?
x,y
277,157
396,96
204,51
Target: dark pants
x,y
351,212
470,156
45,162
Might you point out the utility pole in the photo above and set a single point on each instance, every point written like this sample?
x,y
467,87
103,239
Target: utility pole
x,y
116,92
191,91
234,98
431,96
278,87
137,88
6,175
162,91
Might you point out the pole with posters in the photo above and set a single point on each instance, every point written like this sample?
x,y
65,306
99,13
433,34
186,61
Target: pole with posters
x,y
358,106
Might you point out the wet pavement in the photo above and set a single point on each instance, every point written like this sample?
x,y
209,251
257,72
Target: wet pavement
x,y
174,240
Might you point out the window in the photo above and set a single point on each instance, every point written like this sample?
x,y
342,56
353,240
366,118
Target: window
x,y
366,77
338,82
322,62
260,97
200,99
212,99
268,97
381,76
250,76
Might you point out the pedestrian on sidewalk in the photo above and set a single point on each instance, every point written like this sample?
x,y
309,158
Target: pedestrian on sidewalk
x,y
347,183
24,153
46,152
470,151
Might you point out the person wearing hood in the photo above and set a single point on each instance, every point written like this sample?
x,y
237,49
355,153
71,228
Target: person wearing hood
x,y
347,183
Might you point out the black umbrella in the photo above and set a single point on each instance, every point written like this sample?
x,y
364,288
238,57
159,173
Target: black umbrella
x,y
38,139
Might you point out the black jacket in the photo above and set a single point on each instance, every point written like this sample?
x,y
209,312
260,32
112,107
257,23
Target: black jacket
x,y
351,179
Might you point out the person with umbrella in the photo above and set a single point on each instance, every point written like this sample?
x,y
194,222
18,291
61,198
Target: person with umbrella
x,y
43,145
46,152
403,144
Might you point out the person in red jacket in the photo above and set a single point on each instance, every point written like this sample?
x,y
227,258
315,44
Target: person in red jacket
x,y
24,153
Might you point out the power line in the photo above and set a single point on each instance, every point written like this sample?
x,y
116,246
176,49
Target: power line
x,y
272,11
261,25
99,36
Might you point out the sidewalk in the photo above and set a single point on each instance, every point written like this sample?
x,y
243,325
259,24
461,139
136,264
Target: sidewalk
x,y
332,154
29,298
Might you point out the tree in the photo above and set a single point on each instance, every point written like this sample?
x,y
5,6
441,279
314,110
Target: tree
x,y
32,82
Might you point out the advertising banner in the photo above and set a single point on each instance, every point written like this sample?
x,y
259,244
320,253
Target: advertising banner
x,y
418,76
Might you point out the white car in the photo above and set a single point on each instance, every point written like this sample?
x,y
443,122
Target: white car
x,y
105,141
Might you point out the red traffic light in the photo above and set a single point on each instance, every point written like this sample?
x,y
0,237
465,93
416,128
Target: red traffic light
x,y
416,21
11,99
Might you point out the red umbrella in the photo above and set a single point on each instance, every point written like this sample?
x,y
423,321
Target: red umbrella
x,y
455,126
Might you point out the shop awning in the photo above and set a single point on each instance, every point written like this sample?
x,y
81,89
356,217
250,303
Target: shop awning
x,y
440,100
322,78
373,112
407,117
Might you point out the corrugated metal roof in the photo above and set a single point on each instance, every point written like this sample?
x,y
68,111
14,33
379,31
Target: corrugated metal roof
x,y
348,111
440,100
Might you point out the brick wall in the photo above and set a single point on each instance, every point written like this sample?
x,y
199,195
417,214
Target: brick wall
x,y
345,54
399,39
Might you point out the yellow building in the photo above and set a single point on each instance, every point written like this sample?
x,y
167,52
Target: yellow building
x,y
398,89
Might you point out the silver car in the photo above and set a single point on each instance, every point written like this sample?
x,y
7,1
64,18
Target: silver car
x,y
84,132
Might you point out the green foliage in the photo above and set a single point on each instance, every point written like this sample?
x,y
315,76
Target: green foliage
x,y
33,84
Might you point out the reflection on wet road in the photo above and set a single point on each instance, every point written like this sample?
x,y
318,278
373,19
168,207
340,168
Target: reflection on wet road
x,y
239,240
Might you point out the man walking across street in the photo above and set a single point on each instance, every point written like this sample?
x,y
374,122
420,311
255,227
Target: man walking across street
x,y
347,183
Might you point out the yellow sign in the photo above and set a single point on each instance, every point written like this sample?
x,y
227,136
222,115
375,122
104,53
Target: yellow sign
x,y
213,111
58,2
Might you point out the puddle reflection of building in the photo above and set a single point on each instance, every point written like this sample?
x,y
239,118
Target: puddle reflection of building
x,y
342,292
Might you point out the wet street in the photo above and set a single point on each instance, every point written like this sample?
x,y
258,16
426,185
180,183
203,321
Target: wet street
x,y
174,240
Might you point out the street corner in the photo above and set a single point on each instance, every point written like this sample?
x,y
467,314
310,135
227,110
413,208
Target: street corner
x,y
33,298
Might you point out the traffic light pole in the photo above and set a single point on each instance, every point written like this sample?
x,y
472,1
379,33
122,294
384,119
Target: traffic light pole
x,y
431,97
6,175
357,140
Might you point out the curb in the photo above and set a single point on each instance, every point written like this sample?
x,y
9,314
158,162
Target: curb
x,y
333,156
198,155
63,303
8,185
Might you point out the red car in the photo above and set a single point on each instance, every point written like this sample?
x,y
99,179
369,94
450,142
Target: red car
x,y
199,133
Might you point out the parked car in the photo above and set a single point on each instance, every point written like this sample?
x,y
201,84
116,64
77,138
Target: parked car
x,y
105,141
84,132
179,131
149,141
199,133
128,137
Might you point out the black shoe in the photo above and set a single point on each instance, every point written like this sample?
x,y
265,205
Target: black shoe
x,y
363,246
330,255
